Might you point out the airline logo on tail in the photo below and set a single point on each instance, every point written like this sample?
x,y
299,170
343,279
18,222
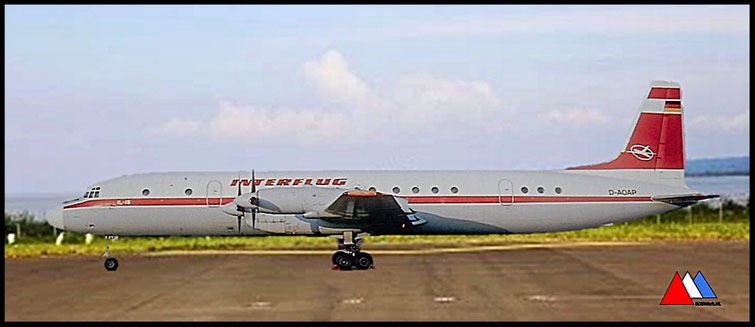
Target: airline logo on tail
x,y
682,291
642,152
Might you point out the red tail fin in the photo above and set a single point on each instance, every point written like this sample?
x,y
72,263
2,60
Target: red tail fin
x,y
657,140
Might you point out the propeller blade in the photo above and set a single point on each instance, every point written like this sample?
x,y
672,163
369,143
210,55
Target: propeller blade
x,y
240,209
254,183
254,191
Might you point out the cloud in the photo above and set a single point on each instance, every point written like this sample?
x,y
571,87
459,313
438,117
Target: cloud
x,y
578,117
426,100
334,79
422,102
722,122
434,92
175,127
426,104
257,124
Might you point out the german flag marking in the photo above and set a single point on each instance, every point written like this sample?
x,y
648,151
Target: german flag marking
x,y
673,106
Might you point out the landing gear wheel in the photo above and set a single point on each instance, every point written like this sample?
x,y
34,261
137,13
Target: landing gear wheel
x,y
111,264
336,255
363,261
344,261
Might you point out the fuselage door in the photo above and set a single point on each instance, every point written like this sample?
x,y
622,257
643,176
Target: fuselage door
x,y
505,192
214,194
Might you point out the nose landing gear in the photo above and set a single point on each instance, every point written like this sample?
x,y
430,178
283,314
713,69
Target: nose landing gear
x,y
111,264
349,255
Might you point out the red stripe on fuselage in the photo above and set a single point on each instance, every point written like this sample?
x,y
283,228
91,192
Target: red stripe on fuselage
x,y
473,199
150,202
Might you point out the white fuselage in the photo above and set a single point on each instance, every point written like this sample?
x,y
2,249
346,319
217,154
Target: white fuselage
x,y
647,177
452,202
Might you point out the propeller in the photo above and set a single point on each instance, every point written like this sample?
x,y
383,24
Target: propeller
x,y
253,200
238,208
248,202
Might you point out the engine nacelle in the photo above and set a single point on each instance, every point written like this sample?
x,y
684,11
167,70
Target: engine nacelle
x,y
295,225
283,224
296,200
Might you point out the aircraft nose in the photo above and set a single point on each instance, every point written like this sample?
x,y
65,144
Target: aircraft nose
x,y
55,217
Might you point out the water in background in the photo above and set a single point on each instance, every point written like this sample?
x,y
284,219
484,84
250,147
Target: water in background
x,y
36,203
736,188
733,187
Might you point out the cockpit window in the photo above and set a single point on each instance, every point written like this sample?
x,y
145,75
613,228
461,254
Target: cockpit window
x,y
94,192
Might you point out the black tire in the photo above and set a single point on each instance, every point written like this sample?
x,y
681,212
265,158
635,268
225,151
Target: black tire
x,y
345,261
363,261
111,264
335,256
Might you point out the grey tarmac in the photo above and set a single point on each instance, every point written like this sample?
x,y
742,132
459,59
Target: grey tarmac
x,y
623,282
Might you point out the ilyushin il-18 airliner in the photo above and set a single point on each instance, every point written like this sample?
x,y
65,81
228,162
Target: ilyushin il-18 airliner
x,y
646,178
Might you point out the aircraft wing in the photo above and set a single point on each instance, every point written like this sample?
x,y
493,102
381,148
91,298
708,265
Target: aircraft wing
x,y
683,200
372,208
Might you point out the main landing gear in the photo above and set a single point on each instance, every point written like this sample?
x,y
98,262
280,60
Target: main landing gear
x,y
350,255
111,264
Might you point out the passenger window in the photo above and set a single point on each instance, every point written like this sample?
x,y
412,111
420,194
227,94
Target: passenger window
x,y
454,190
540,189
145,192
434,189
396,190
372,188
558,190
188,191
415,190
525,189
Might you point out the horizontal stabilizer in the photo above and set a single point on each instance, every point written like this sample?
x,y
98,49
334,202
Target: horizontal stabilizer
x,y
683,200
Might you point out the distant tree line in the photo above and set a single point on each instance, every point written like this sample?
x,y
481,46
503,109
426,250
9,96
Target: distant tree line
x,y
32,228
708,211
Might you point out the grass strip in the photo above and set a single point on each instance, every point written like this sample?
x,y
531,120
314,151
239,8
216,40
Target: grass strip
x,y
646,232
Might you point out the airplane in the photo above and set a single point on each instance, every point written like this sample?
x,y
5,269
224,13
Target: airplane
x,y
646,178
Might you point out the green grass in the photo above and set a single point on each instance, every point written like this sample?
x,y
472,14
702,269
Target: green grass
x,y
619,232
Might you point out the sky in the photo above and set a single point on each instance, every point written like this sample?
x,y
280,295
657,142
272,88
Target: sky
x,y
96,92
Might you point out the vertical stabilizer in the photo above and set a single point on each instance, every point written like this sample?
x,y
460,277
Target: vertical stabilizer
x,y
657,139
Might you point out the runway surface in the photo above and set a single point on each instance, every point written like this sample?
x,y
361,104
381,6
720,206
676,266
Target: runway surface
x,y
623,282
